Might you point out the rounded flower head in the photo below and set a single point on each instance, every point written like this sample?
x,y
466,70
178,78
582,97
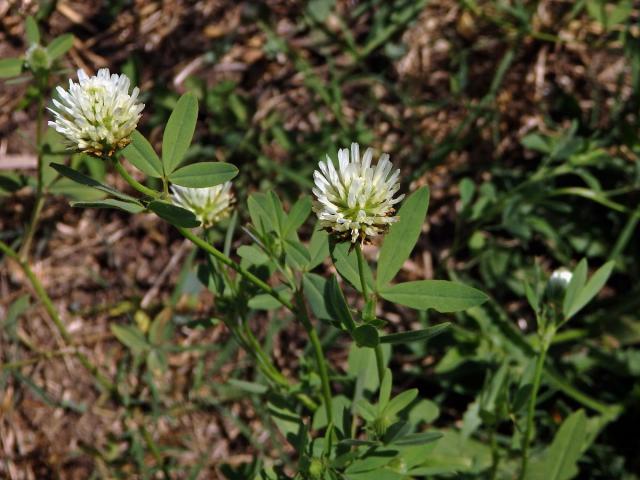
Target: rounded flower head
x,y
210,205
97,115
356,200
557,284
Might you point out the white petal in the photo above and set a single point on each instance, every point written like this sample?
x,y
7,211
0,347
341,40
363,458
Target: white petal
x,y
356,197
355,153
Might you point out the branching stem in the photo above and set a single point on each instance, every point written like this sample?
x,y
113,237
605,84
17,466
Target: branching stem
x,y
133,182
262,285
221,257
270,370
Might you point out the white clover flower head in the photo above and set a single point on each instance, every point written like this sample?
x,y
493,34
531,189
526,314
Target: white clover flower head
x,y
209,205
97,115
356,201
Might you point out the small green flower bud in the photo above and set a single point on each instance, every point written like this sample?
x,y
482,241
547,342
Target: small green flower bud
x,y
398,464
557,285
380,426
37,58
316,469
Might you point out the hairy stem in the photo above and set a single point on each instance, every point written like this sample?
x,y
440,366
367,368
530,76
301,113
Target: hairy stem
x,y
41,295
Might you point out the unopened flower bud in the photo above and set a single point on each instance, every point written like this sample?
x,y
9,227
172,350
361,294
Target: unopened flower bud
x,y
37,58
317,468
380,425
557,285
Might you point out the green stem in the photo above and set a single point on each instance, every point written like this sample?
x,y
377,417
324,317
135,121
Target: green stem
x,y
230,263
165,187
270,370
38,358
133,182
379,362
250,343
155,451
43,297
267,366
319,354
363,281
203,244
365,294
221,257
495,454
545,341
625,235
39,199
33,224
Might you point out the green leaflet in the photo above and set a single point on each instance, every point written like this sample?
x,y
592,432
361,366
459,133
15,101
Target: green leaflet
x,y
402,236
179,132
441,295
